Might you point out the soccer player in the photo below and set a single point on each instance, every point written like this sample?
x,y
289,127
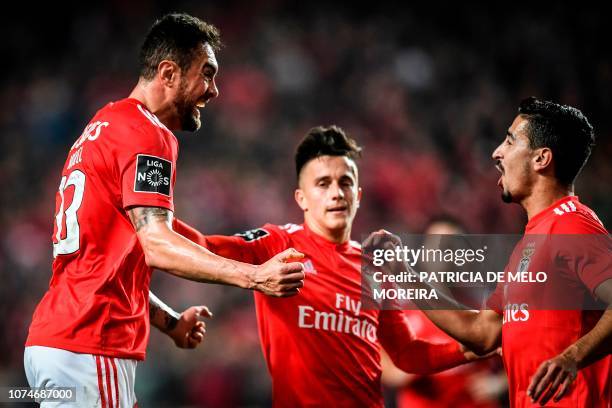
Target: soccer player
x,y
322,347
556,358
113,226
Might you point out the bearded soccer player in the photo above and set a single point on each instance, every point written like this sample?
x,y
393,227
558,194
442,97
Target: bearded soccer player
x,y
321,347
553,358
113,225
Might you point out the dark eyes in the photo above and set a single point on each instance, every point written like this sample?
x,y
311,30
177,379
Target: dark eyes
x,y
208,75
342,183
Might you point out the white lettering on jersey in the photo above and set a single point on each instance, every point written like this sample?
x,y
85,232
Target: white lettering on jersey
x,y
91,133
514,312
338,320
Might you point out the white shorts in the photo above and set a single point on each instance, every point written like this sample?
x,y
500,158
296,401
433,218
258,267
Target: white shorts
x,y
101,382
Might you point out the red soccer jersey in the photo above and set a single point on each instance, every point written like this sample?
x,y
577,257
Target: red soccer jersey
x,y
321,347
532,334
98,297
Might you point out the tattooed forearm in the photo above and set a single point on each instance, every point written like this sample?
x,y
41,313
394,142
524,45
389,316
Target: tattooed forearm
x,y
161,315
142,216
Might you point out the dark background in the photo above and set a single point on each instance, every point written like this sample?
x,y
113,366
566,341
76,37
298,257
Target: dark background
x,y
429,91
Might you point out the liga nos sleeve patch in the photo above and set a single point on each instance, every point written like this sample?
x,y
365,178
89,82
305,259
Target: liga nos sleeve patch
x,y
253,235
153,175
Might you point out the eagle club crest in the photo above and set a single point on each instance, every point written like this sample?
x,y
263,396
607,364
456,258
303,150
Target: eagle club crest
x,y
528,252
309,267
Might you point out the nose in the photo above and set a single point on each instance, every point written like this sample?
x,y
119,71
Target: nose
x,y
497,153
213,90
336,191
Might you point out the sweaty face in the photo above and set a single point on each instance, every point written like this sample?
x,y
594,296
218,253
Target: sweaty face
x,y
197,88
513,157
329,195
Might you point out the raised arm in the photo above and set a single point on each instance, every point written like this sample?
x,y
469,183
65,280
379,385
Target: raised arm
x,y
171,252
232,247
414,355
479,331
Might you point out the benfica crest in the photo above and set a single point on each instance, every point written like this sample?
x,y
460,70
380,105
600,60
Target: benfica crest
x,y
528,252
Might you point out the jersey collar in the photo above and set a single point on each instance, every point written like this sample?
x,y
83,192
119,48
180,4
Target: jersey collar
x,y
536,219
343,247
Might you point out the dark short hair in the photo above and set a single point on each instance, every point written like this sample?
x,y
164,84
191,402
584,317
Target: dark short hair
x,y
325,141
563,129
176,37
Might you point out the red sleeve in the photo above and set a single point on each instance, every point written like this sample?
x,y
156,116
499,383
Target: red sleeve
x,y
146,160
582,248
255,246
411,354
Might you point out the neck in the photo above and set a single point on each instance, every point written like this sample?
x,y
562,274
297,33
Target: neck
x,y
157,101
339,236
543,195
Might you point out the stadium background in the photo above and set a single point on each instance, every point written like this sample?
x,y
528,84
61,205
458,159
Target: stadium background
x,y
429,90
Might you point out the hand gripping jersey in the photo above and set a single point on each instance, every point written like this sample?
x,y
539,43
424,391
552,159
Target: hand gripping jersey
x,y
97,301
321,347
540,320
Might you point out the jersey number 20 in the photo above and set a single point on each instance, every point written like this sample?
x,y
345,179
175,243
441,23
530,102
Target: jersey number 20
x,y
69,244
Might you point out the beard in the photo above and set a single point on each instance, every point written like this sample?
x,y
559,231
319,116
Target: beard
x,y
506,197
187,111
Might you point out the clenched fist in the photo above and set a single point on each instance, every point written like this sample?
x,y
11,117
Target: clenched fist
x,y
281,276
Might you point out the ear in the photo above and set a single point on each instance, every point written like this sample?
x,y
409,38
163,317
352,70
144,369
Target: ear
x,y
359,193
542,159
168,72
300,199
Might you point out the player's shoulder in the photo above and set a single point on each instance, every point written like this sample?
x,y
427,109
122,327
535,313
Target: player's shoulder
x,y
131,115
269,231
289,232
572,217
355,245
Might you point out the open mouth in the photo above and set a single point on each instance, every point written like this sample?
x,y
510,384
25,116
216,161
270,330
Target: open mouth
x,y
500,168
196,112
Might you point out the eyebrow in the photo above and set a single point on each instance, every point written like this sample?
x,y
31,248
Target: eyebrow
x,y
322,178
511,135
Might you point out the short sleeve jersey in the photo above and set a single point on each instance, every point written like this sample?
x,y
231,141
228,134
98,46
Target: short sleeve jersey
x,y
540,320
97,301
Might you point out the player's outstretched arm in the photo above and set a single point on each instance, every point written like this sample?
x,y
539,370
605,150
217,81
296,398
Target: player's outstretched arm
x,y
553,377
166,250
186,329
232,247
479,331
415,355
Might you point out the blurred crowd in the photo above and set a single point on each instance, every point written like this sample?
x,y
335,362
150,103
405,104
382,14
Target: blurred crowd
x,y
429,91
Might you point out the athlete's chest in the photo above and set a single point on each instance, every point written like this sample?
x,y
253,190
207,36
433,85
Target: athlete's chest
x,y
331,300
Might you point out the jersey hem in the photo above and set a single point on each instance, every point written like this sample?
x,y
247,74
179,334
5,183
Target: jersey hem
x,y
80,348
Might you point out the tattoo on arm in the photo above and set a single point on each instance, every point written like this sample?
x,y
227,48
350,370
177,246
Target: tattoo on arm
x,y
161,314
142,216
